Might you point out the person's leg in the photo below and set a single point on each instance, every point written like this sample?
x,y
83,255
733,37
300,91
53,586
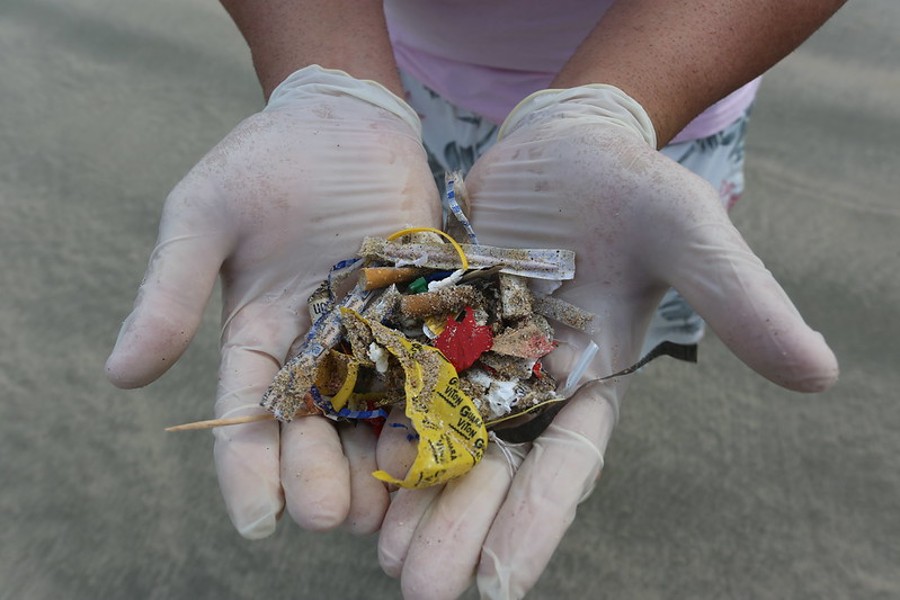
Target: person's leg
x,y
454,137
719,159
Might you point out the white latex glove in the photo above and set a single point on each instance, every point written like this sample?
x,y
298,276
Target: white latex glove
x,y
577,169
287,194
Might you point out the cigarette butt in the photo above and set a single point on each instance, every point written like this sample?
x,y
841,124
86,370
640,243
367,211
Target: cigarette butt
x,y
374,278
440,302
222,422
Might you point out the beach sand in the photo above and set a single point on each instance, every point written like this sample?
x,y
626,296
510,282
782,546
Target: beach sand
x,y
718,484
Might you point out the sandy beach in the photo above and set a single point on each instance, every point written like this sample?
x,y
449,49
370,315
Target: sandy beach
x,y
718,483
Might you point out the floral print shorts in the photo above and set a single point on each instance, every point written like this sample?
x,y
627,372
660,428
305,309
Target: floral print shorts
x,y
455,138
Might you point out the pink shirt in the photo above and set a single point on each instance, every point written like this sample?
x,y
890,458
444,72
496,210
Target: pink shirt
x,y
487,55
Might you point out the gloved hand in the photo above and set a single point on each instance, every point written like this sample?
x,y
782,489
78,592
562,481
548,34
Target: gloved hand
x,y
578,169
287,194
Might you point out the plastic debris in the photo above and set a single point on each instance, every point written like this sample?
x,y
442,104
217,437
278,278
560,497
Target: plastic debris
x,y
454,334
418,286
459,346
531,263
289,395
515,297
456,205
462,342
566,313
532,338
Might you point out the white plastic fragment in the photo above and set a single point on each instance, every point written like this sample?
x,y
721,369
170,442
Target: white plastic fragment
x,y
447,281
379,356
502,397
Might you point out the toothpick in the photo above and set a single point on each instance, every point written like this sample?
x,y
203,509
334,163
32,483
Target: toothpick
x,y
222,422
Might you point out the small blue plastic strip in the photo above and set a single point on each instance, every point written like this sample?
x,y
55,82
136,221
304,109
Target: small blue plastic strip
x,y
345,413
451,204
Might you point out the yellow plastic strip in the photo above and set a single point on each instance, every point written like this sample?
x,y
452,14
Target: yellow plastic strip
x,y
339,400
454,243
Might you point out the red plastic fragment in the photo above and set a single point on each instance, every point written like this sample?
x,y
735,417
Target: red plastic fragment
x,y
462,342
528,340
377,423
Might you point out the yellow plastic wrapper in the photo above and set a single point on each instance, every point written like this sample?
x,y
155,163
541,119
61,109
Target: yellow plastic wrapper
x,y
452,435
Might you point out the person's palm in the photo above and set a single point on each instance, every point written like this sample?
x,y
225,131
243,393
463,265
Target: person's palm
x,y
577,170
286,195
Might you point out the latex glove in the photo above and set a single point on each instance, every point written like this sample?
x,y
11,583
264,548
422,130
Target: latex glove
x,y
288,193
578,169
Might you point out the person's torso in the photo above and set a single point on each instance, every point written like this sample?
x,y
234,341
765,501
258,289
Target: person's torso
x,y
487,55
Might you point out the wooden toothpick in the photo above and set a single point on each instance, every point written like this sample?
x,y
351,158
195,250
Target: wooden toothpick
x,y
222,422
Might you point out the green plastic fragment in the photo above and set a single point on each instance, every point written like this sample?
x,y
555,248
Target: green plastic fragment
x,y
418,286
